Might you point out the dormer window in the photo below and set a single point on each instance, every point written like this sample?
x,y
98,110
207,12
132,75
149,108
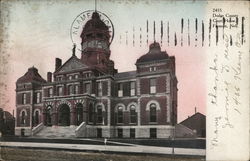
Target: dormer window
x,y
151,69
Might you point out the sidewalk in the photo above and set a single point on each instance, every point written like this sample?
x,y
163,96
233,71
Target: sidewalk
x,y
139,149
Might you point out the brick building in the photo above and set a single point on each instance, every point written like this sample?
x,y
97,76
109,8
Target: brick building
x,y
90,97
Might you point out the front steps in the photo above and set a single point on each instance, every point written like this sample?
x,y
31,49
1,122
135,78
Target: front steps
x,y
57,132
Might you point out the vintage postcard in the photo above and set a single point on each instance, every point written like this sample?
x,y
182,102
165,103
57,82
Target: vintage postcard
x,y
124,80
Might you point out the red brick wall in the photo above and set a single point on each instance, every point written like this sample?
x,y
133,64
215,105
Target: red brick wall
x,y
126,113
104,88
161,115
27,117
145,89
161,84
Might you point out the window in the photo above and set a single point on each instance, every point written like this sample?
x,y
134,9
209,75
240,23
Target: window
x,y
99,132
99,114
87,88
50,92
76,76
133,115
70,90
132,88
87,75
120,90
120,133
59,78
36,118
91,113
38,97
120,115
99,87
153,85
151,69
153,132
23,117
24,98
60,91
76,89
152,112
70,77
132,133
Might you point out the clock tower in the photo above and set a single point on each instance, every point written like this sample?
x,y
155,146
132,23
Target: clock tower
x,y
95,45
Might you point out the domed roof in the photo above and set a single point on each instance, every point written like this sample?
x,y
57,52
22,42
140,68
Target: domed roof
x,y
154,54
95,23
30,76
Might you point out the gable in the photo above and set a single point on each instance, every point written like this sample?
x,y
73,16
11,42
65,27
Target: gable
x,y
71,65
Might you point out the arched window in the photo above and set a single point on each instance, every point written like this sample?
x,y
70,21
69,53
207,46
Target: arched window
x,y
48,115
36,118
79,113
120,114
133,115
152,112
91,113
99,114
23,117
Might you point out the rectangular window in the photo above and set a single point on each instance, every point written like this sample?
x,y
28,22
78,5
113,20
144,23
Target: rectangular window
x,y
70,90
153,132
38,97
76,89
99,87
70,77
60,91
120,90
120,133
50,92
24,98
76,76
132,88
87,88
132,133
153,85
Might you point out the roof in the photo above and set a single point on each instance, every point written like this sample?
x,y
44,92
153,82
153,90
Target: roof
x,y
95,23
154,54
73,63
125,74
196,121
196,116
31,75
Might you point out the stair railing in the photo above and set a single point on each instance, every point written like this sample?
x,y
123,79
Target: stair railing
x,y
80,131
37,129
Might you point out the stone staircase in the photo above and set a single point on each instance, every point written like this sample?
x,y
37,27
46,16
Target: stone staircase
x,y
57,132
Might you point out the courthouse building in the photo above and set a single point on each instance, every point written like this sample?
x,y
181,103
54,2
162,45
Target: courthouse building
x,y
89,98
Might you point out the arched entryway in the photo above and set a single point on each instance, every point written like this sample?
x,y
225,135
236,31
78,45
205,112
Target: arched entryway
x,y
48,112
64,115
79,113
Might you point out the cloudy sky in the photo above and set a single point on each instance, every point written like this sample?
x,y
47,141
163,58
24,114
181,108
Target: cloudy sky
x,y
36,32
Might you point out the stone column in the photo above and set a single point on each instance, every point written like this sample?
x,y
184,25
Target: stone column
x,y
73,116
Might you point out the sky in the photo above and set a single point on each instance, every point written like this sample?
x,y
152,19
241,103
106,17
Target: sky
x,y
36,32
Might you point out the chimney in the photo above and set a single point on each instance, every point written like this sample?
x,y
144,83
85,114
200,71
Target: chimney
x,y
49,77
58,63
195,110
